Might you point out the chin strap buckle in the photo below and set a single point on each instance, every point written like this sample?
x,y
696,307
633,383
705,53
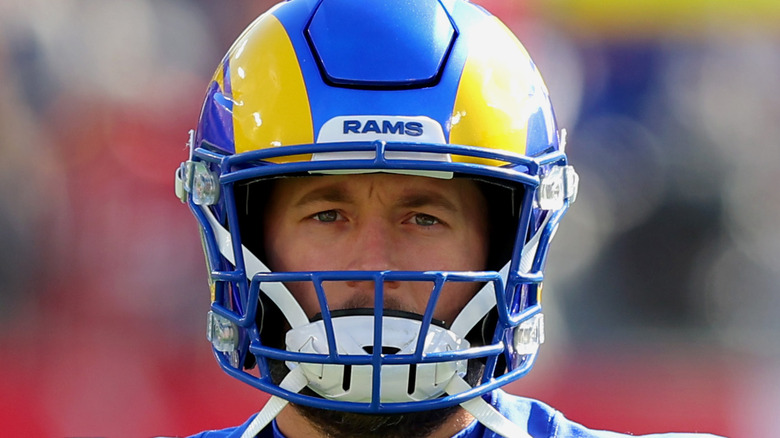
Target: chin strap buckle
x,y
196,178
529,335
222,333
558,186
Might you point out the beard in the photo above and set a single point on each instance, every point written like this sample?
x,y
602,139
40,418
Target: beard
x,y
354,425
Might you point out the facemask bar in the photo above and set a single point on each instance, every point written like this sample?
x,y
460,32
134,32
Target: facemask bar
x,y
235,300
418,354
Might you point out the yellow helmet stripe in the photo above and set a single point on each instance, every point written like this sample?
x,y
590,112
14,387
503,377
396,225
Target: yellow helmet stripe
x,y
270,104
491,106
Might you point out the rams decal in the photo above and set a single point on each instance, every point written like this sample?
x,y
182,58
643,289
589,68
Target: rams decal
x,y
415,129
381,127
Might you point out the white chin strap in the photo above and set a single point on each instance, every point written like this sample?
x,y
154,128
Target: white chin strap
x,y
276,291
353,333
294,382
485,299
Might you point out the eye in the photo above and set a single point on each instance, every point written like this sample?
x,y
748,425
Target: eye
x,y
425,220
327,216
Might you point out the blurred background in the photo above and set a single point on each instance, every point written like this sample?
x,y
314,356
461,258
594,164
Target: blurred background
x,y
663,309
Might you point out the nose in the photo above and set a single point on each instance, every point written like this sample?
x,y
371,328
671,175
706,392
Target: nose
x,y
374,248
379,244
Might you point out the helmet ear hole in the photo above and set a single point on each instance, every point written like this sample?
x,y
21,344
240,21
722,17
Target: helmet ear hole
x,y
482,332
269,319
251,200
503,201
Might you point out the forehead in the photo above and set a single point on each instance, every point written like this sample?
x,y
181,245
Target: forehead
x,y
454,194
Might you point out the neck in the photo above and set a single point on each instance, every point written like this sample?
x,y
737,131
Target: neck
x,y
295,422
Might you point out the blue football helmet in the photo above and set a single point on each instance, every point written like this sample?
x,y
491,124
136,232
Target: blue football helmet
x,y
431,88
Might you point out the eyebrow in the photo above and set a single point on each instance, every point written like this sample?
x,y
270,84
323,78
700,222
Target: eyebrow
x,y
417,199
427,199
327,194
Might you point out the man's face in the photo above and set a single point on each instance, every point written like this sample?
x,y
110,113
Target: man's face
x,y
377,222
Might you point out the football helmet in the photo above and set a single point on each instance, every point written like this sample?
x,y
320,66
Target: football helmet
x,y
440,89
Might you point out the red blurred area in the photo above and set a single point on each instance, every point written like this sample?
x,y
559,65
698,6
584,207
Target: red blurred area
x,y
181,391
633,389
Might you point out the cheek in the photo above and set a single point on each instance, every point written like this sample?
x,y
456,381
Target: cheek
x,y
300,250
306,296
285,250
469,253
475,250
284,255
453,298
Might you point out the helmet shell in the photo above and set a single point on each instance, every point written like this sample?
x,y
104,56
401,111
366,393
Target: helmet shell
x,y
304,63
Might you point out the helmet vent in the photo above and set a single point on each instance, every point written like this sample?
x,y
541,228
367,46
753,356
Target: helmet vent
x,y
391,44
